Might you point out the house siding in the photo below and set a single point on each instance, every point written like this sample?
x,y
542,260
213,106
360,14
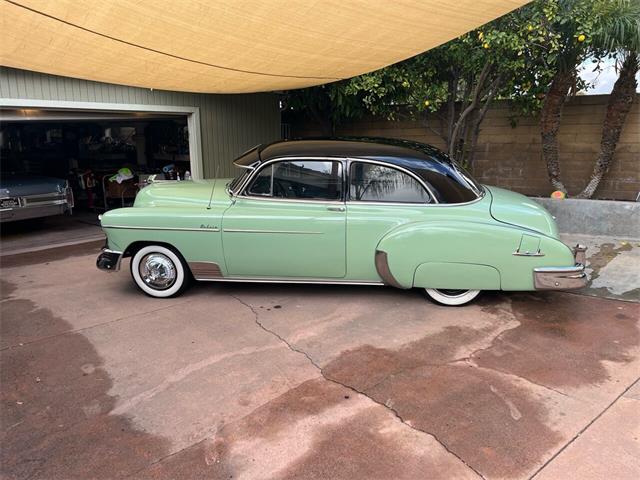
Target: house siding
x,y
229,124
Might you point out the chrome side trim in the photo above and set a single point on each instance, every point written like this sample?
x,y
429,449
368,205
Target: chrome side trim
x,y
301,280
287,232
178,229
205,270
559,278
382,267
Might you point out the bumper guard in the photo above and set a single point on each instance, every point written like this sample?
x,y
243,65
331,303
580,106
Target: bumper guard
x,y
563,278
109,260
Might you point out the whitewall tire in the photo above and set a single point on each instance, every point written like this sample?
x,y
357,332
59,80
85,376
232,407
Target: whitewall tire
x,y
452,297
159,271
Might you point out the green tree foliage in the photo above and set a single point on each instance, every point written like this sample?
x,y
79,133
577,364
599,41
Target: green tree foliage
x,y
579,29
530,56
449,88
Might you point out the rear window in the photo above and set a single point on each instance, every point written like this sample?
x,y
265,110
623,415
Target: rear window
x,y
449,182
377,183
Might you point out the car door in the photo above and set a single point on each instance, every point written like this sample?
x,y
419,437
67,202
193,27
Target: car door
x,y
289,221
380,197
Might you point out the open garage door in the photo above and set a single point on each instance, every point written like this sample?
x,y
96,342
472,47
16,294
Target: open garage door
x,y
61,167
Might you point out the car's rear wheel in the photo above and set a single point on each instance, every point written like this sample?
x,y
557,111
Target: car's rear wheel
x,y
450,297
159,272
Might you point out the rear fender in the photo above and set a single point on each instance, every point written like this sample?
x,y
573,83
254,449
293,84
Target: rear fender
x,y
456,276
418,253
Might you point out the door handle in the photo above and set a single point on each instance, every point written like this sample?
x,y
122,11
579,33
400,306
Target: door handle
x,y
336,209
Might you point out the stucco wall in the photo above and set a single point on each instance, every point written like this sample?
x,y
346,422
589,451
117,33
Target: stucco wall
x,y
511,157
230,124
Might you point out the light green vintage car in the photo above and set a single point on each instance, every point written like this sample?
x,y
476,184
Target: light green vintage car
x,y
342,211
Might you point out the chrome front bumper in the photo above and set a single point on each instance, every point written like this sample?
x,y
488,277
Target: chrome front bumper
x,y
109,260
563,278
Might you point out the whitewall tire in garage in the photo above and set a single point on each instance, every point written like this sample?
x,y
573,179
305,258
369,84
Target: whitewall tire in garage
x,y
451,297
159,271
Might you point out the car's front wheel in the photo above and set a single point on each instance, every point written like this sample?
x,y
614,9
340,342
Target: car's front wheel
x,y
451,297
159,271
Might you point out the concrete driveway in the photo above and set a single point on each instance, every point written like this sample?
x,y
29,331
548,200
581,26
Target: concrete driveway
x,y
281,381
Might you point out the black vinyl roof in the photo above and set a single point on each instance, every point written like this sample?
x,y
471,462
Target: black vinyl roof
x,y
449,182
352,147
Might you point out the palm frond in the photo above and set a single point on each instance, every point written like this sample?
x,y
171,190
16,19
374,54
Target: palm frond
x,y
617,26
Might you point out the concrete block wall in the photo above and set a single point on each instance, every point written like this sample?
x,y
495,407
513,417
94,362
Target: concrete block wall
x,y
510,157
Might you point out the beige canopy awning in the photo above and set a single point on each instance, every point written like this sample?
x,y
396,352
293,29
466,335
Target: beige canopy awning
x,y
230,46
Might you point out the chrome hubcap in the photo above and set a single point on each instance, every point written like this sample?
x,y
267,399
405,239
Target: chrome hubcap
x,y
157,271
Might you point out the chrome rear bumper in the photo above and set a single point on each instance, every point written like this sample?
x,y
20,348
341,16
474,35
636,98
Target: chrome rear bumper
x,y
109,260
563,278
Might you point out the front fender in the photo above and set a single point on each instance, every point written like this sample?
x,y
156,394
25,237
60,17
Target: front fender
x,y
194,232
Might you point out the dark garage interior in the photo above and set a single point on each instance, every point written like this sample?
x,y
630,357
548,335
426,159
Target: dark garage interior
x,y
105,157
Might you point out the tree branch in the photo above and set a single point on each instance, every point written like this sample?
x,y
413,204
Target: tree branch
x,y
472,105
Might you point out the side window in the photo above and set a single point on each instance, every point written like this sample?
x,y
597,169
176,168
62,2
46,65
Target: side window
x,y
299,179
377,183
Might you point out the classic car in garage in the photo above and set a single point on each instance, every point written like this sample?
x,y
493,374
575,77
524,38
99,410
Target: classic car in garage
x,y
24,197
342,211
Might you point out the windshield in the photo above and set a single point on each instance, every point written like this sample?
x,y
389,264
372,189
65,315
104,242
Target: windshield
x,y
240,178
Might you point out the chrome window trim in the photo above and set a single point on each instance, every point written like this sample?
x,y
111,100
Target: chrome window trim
x,y
178,229
351,160
257,168
260,195
458,204
288,232
346,166
386,204
292,200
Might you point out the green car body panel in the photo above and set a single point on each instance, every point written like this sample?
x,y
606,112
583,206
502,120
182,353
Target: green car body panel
x,y
309,241
494,242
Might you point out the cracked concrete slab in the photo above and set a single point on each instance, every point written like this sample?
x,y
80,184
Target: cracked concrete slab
x,y
291,381
609,448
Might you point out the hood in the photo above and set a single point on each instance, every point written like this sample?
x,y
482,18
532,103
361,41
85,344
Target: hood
x,y
516,209
23,185
187,193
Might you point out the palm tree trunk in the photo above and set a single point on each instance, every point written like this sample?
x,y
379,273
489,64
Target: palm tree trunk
x,y
620,102
550,124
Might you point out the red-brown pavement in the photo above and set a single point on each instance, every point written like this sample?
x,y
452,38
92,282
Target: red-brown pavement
x,y
289,381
